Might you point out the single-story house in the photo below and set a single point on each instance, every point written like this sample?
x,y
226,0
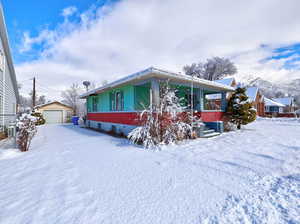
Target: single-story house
x,y
257,100
9,95
116,106
55,112
272,107
288,102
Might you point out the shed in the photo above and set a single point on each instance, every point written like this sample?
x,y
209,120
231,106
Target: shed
x,y
55,112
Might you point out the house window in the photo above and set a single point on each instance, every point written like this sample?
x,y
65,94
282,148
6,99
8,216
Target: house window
x,y
212,101
117,101
95,104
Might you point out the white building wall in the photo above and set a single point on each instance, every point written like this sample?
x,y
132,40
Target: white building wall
x,y
8,100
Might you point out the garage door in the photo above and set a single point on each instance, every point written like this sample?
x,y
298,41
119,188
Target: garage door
x,y
53,116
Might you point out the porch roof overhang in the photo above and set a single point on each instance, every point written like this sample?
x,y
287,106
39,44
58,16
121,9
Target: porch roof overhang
x,y
152,72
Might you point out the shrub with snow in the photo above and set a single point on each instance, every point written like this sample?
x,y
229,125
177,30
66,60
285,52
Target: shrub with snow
x,y
229,126
40,120
165,124
26,125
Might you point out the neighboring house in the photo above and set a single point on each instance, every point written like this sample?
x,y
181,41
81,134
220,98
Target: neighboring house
x,y
288,102
297,113
9,95
116,106
55,112
228,82
272,107
253,93
214,100
257,100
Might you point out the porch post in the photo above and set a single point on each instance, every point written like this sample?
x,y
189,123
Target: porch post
x,y
155,93
198,103
223,102
201,99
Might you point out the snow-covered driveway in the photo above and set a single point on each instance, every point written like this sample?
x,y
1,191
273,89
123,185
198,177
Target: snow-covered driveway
x,y
75,175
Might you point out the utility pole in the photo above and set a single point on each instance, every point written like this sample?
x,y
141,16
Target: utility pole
x,y
33,94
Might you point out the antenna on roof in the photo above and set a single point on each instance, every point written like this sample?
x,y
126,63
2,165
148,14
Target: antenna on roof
x,y
86,84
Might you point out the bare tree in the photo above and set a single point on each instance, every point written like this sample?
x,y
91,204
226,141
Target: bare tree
x,y
71,97
214,68
25,104
39,99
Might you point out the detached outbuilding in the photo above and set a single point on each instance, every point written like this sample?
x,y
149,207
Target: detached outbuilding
x,y
55,112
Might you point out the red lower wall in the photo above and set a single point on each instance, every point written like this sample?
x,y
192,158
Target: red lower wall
x,y
209,116
132,118
269,114
129,118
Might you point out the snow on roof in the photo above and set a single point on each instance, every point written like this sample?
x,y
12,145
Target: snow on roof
x,y
251,92
226,81
284,100
51,102
155,72
269,102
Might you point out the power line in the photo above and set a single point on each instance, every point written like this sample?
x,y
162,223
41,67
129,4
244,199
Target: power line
x,y
25,80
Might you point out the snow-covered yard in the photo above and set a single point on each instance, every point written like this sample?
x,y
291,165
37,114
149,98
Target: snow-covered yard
x,y
75,175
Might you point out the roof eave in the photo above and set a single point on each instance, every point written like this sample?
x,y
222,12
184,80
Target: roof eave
x,y
159,73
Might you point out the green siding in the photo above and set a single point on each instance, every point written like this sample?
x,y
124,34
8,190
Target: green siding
x,y
104,99
104,104
183,91
142,97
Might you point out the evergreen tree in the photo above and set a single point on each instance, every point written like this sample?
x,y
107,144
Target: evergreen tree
x,y
240,109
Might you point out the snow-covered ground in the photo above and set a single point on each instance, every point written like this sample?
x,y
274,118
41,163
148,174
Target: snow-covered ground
x,y
75,175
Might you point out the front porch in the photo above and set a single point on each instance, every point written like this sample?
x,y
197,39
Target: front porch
x,y
207,103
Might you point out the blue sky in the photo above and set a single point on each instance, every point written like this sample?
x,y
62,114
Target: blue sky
x,y
34,16
106,39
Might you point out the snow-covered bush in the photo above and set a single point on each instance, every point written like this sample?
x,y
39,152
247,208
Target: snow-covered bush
x,y
167,123
229,126
40,120
26,126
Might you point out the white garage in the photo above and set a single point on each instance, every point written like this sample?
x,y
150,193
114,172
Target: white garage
x,y
55,112
53,116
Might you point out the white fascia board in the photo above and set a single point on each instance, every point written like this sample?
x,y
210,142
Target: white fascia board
x,y
159,73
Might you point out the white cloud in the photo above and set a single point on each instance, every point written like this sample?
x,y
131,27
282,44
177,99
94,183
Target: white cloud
x,y
69,11
113,41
